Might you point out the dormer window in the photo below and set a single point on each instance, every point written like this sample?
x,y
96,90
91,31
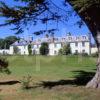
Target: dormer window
x,y
69,38
84,37
77,38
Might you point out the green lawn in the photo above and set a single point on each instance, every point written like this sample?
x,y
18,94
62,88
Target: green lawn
x,y
54,67
61,77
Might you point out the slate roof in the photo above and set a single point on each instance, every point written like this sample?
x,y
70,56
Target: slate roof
x,y
50,40
20,43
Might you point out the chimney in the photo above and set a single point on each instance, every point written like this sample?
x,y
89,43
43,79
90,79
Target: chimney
x,y
46,36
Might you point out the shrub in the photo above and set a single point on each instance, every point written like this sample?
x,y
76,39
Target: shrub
x,y
16,50
30,49
94,54
84,54
65,50
26,82
60,51
44,49
4,65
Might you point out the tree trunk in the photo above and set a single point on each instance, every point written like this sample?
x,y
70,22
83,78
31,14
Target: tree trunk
x,y
95,82
91,16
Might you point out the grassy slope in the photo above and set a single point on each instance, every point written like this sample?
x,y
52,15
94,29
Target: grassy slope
x,y
52,69
60,66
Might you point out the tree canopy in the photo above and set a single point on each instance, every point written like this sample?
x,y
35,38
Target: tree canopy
x,y
6,42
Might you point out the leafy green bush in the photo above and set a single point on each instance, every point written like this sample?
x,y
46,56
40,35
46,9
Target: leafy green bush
x,y
30,49
4,65
84,54
44,49
65,50
26,82
94,54
16,50
60,51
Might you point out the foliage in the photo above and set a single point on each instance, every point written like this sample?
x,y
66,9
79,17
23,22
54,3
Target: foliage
x,y
94,54
84,54
30,49
4,65
83,5
22,16
65,50
26,82
6,42
81,54
15,49
44,49
60,51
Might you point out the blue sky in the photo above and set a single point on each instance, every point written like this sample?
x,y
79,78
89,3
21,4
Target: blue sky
x,y
70,26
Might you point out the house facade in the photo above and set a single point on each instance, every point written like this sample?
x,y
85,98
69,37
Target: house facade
x,y
22,47
78,44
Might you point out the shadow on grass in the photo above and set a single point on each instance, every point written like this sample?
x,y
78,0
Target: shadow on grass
x,y
9,82
81,78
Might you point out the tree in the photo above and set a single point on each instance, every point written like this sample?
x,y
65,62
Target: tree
x,y
16,50
65,50
30,49
44,49
4,65
1,43
88,10
6,42
9,40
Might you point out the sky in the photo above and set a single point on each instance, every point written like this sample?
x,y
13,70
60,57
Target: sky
x,y
70,25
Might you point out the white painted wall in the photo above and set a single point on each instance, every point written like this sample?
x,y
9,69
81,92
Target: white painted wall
x,y
11,50
94,50
23,50
4,51
80,48
54,48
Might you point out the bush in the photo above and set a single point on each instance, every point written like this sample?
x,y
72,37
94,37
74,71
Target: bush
x,y
30,49
26,82
4,65
94,54
84,54
65,50
44,49
60,51
16,50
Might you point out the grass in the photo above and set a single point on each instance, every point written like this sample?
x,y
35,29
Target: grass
x,y
54,78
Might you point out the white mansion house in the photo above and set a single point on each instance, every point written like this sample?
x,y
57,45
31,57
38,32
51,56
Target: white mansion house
x,y
78,44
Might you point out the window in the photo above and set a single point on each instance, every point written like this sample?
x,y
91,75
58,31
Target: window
x,y
55,45
37,46
77,38
34,52
76,51
61,45
24,47
70,38
76,44
83,51
55,52
84,37
83,44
